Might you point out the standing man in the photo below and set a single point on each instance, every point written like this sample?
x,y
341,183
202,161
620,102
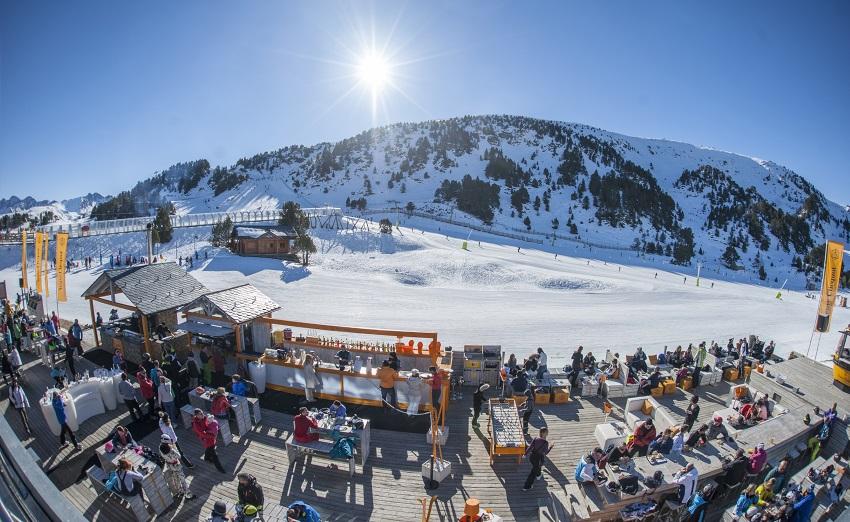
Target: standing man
x,y
59,409
436,383
477,401
536,453
76,333
69,360
542,362
578,359
691,414
194,371
165,397
527,408
206,429
387,377
128,395
19,400
699,363
687,479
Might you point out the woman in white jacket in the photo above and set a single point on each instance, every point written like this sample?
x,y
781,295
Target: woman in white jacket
x,y
310,377
19,400
414,393
173,469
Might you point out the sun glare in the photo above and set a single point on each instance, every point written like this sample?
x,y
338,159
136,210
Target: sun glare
x,y
373,71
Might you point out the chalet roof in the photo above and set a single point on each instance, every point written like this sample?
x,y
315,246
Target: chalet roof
x,y
150,288
239,304
255,232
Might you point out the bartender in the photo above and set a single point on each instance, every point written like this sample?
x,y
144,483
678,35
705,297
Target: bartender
x,y
163,331
343,358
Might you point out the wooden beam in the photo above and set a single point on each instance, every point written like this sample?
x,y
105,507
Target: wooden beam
x,y
351,329
93,323
210,318
116,304
238,331
145,333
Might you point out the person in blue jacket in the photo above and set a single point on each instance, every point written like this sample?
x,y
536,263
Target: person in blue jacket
x,y
699,505
238,387
62,419
803,508
302,511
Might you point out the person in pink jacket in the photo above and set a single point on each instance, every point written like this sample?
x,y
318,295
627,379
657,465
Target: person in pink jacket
x,y
758,458
146,387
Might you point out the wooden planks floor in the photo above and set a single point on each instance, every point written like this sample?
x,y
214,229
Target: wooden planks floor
x,y
389,487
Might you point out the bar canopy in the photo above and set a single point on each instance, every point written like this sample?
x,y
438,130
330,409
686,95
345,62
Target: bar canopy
x,y
150,288
238,305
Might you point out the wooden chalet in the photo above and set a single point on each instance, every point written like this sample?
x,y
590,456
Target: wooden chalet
x,y
262,240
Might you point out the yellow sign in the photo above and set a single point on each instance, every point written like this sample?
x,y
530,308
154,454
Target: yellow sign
x,y
38,245
46,264
61,260
24,284
829,288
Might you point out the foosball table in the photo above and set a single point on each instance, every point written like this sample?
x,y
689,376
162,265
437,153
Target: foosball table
x,y
505,429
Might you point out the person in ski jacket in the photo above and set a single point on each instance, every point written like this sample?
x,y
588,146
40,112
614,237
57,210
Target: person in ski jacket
x,y
758,458
249,491
643,435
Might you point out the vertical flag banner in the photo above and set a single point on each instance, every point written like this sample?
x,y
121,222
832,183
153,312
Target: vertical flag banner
x,y
46,264
24,284
61,259
38,244
829,288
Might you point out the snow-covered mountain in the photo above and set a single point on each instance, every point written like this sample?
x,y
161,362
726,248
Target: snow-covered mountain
x,y
675,200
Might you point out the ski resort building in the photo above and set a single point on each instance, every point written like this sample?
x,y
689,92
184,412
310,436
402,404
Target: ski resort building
x,y
262,241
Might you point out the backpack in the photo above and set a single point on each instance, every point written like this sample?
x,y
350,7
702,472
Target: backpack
x,y
116,484
112,482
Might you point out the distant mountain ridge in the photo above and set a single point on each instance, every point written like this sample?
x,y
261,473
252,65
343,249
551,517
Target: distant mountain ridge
x,y
659,197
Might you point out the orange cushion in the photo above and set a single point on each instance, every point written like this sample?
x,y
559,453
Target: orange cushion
x,y
647,408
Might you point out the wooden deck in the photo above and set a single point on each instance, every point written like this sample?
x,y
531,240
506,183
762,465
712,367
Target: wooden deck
x,y
389,487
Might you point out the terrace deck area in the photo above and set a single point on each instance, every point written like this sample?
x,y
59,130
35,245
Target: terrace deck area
x,y
390,487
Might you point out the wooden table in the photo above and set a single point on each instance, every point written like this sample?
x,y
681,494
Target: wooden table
x,y
505,428
363,436
153,481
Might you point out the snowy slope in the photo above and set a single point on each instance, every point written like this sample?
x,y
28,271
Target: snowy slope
x,y
490,294
407,163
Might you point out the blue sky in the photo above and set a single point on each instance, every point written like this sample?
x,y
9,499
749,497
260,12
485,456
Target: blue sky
x,y
97,95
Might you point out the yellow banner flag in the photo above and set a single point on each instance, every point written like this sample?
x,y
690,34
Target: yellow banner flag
x,y
46,264
24,284
38,244
61,259
834,256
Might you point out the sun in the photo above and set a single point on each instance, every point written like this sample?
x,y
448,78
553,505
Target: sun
x,y
373,71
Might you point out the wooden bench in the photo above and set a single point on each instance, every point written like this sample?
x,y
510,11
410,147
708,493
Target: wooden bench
x,y
309,449
135,503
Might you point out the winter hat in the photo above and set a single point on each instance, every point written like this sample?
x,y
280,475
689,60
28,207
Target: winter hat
x,y
484,387
760,446
165,438
220,508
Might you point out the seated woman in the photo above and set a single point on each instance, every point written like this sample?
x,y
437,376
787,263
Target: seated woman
x,y
698,437
122,438
220,405
763,412
589,364
586,470
747,501
617,455
765,493
663,444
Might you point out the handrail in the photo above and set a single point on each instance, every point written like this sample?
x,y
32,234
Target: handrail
x,y
42,490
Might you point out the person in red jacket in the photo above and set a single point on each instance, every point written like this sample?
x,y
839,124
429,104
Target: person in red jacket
x,y
146,387
303,422
643,435
206,429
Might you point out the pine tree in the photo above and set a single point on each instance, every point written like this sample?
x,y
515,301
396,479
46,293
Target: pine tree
x,y
304,245
527,223
555,223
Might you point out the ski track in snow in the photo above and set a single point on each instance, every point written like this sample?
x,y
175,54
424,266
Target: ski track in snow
x,y
488,294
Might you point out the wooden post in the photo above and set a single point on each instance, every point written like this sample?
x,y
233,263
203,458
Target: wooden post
x,y
237,330
145,332
93,324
